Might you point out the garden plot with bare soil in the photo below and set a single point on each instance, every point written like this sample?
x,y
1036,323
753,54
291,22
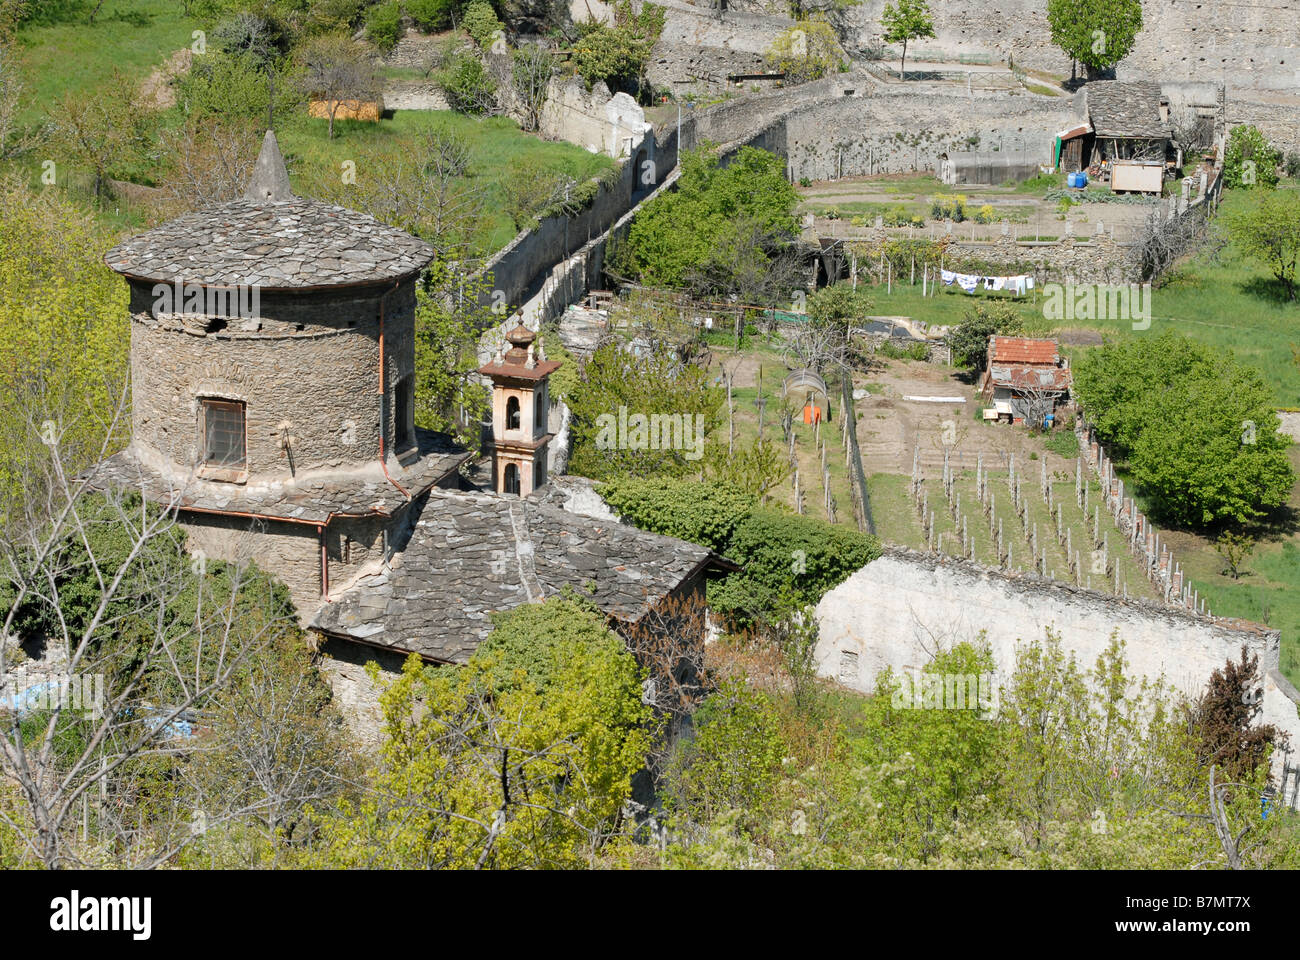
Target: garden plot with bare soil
x,y
1030,214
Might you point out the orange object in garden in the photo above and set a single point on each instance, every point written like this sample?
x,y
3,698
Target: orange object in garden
x,y
812,414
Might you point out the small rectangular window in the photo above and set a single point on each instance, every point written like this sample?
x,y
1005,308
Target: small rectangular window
x,y
848,666
404,414
223,434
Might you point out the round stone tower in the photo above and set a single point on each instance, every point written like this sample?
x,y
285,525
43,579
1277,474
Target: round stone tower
x,y
257,331
273,382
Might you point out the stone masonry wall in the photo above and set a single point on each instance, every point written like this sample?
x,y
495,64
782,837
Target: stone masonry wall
x,y
522,265
1246,44
313,375
290,551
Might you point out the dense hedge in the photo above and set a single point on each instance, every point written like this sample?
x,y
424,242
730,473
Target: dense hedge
x,y
703,513
780,552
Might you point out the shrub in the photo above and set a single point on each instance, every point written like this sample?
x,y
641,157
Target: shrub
x,y
703,513
467,84
384,25
806,51
784,552
327,16
948,208
1248,159
481,23
734,761
899,351
985,214
526,643
432,15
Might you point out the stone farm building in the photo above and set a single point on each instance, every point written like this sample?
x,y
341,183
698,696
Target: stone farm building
x,y
285,434
1024,379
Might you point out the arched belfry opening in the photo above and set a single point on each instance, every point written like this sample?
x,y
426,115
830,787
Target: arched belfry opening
x,y
520,401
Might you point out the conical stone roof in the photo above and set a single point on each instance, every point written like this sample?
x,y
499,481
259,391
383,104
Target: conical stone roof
x,y
273,240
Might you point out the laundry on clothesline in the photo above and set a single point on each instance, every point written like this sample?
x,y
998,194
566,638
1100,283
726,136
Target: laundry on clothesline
x,y
1019,285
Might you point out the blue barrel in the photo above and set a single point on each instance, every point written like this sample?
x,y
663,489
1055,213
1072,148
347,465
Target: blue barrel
x,y
1082,179
1072,180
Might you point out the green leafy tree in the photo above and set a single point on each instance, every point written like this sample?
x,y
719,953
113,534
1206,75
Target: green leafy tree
x,y
807,51
617,54
616,385
104,134
678,233
448,323
969,340
734,760
909,20
469,86
432,15
1249,160
1196,426
1234,548
64,336
1269,231
1096,33
527,644
384,25
482,24
477,773
1213,454
947,760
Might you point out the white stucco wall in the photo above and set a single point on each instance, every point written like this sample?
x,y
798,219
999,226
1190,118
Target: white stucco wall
x,y
901,609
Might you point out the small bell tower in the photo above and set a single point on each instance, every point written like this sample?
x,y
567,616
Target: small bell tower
x,y
519,407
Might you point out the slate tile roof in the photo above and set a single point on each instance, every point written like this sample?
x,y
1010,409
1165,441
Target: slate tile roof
x,y
471,554
1119,108
309,499
288,244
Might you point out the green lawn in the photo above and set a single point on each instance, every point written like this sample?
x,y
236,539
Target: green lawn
x,y
136,36
132,36
495,144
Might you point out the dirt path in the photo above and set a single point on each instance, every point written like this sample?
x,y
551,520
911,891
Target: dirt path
x,y
156,90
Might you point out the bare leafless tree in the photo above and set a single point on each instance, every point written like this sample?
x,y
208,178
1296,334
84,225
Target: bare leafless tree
x,y
668,642
211,163
96,578
531,68
1161,240
424,192
335,69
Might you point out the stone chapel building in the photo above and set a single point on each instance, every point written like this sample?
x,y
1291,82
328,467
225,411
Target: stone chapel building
x,y
273,384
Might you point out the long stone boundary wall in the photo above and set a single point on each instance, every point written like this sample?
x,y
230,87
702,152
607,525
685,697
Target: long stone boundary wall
x,y
519,266
846,125
902,609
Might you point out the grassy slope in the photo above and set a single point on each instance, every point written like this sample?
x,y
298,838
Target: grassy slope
x,y
74,58
495,142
